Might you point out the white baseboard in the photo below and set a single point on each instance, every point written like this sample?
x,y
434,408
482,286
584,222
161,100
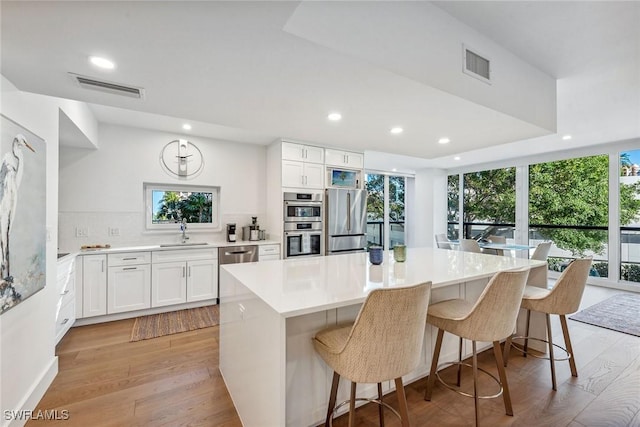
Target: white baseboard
x,y
35,393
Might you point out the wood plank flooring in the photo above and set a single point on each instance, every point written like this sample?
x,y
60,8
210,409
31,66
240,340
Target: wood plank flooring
x,y
105,380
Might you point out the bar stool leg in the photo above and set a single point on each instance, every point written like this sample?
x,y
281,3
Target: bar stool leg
x,y
550,339
475,381
567,343
402,402
526,334
434,365
352,406
506,395
380,407
332,398
507,350
459,362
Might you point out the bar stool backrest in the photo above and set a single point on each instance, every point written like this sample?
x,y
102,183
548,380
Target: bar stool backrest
x,y
385,341
494,315
566,294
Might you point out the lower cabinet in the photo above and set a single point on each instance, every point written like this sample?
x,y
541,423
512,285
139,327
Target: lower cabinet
x,y
128,288
184,276
268,252
94,285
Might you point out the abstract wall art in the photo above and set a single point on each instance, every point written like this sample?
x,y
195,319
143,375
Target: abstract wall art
x,y
22,213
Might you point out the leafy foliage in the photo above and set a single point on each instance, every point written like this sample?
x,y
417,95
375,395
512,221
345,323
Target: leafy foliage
x,y
375,198
195,207
490,196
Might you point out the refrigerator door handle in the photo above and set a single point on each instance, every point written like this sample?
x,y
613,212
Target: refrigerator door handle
x,y
348,211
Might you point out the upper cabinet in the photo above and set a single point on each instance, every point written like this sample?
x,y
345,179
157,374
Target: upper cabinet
x,y
344,158
302,153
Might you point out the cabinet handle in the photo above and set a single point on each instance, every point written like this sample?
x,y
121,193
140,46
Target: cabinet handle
x,y
103,266
130,268
129,259
64,321
65,292
189,271
184,271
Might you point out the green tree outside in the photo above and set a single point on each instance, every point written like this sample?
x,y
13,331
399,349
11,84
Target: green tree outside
x,y
194,207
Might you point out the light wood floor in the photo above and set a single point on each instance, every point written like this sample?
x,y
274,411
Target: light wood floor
x,y
104,380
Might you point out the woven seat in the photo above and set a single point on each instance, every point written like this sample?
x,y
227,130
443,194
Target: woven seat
x,y
384,343
564,298
492,318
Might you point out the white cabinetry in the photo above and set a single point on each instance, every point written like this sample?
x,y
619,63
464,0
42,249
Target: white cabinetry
x,y
183,276
344,158
302,153
94,285
66,306
129,282
268,252
301,174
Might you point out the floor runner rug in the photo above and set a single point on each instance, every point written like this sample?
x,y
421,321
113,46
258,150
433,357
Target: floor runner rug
x,y
157,325
619,313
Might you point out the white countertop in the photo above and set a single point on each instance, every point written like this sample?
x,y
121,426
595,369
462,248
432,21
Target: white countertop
x,y
299,286
171,247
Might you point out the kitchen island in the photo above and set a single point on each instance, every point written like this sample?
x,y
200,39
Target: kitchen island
x,y
270,311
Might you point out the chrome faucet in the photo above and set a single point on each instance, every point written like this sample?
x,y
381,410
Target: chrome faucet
x,y
183,228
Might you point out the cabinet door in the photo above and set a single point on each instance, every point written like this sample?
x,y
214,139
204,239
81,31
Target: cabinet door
x,y
269,257
355,160
335,157
292,151
202,280
313,154
129,288
314,175
168,283
292,174
94,285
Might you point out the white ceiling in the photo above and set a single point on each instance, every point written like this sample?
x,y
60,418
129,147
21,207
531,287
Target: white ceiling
x,y
255,71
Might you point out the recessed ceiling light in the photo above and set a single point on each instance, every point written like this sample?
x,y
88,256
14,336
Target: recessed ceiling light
x,y
566,137
394,170
334,117
396,130
444,141
102,62
456,158
186,126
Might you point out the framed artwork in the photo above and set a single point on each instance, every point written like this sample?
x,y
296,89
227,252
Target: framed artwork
x,y
22,213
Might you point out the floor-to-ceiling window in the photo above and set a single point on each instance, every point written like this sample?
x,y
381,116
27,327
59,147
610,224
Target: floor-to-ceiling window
x,y
453,207
569,205
629,219
489,207
385,209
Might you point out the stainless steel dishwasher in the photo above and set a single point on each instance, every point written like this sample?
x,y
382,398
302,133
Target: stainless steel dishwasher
x,y
235,255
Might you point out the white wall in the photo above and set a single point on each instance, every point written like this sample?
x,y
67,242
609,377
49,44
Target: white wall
x,y
103,188
27,351
430,206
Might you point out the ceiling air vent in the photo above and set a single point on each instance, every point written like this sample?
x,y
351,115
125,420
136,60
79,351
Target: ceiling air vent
x,y
476,65
108,87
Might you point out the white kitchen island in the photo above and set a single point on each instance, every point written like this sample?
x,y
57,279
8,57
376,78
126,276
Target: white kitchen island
x,y
270,311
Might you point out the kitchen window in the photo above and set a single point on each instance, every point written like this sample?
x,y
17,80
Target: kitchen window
x,y
166,205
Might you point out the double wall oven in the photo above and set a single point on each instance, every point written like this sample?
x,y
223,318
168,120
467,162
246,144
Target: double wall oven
x,y
303,230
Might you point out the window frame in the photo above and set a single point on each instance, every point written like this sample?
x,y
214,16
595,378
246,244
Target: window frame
x,y
150,187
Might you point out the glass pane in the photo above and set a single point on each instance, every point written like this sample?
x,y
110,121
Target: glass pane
x,y
630,216
569,205
375,209
453,207
396,210
489,204
173,206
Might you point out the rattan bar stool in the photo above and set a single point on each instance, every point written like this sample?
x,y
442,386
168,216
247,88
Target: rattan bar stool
x,y
384,343
564,298
492,318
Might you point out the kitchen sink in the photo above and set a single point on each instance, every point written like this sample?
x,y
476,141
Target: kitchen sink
x,y
169,245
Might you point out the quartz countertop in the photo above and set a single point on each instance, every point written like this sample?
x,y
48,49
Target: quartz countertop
x,y
293,287
177,246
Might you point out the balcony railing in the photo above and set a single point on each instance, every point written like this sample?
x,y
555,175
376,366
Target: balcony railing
x,y
375,233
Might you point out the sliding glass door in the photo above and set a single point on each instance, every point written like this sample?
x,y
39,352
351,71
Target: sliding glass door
x,y
385,210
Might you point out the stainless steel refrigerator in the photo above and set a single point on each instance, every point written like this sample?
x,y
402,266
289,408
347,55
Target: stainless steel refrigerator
x,y
346,225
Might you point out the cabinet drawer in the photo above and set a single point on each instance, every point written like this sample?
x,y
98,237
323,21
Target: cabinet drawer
x,y
65,319
268,250
129,258
184,255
